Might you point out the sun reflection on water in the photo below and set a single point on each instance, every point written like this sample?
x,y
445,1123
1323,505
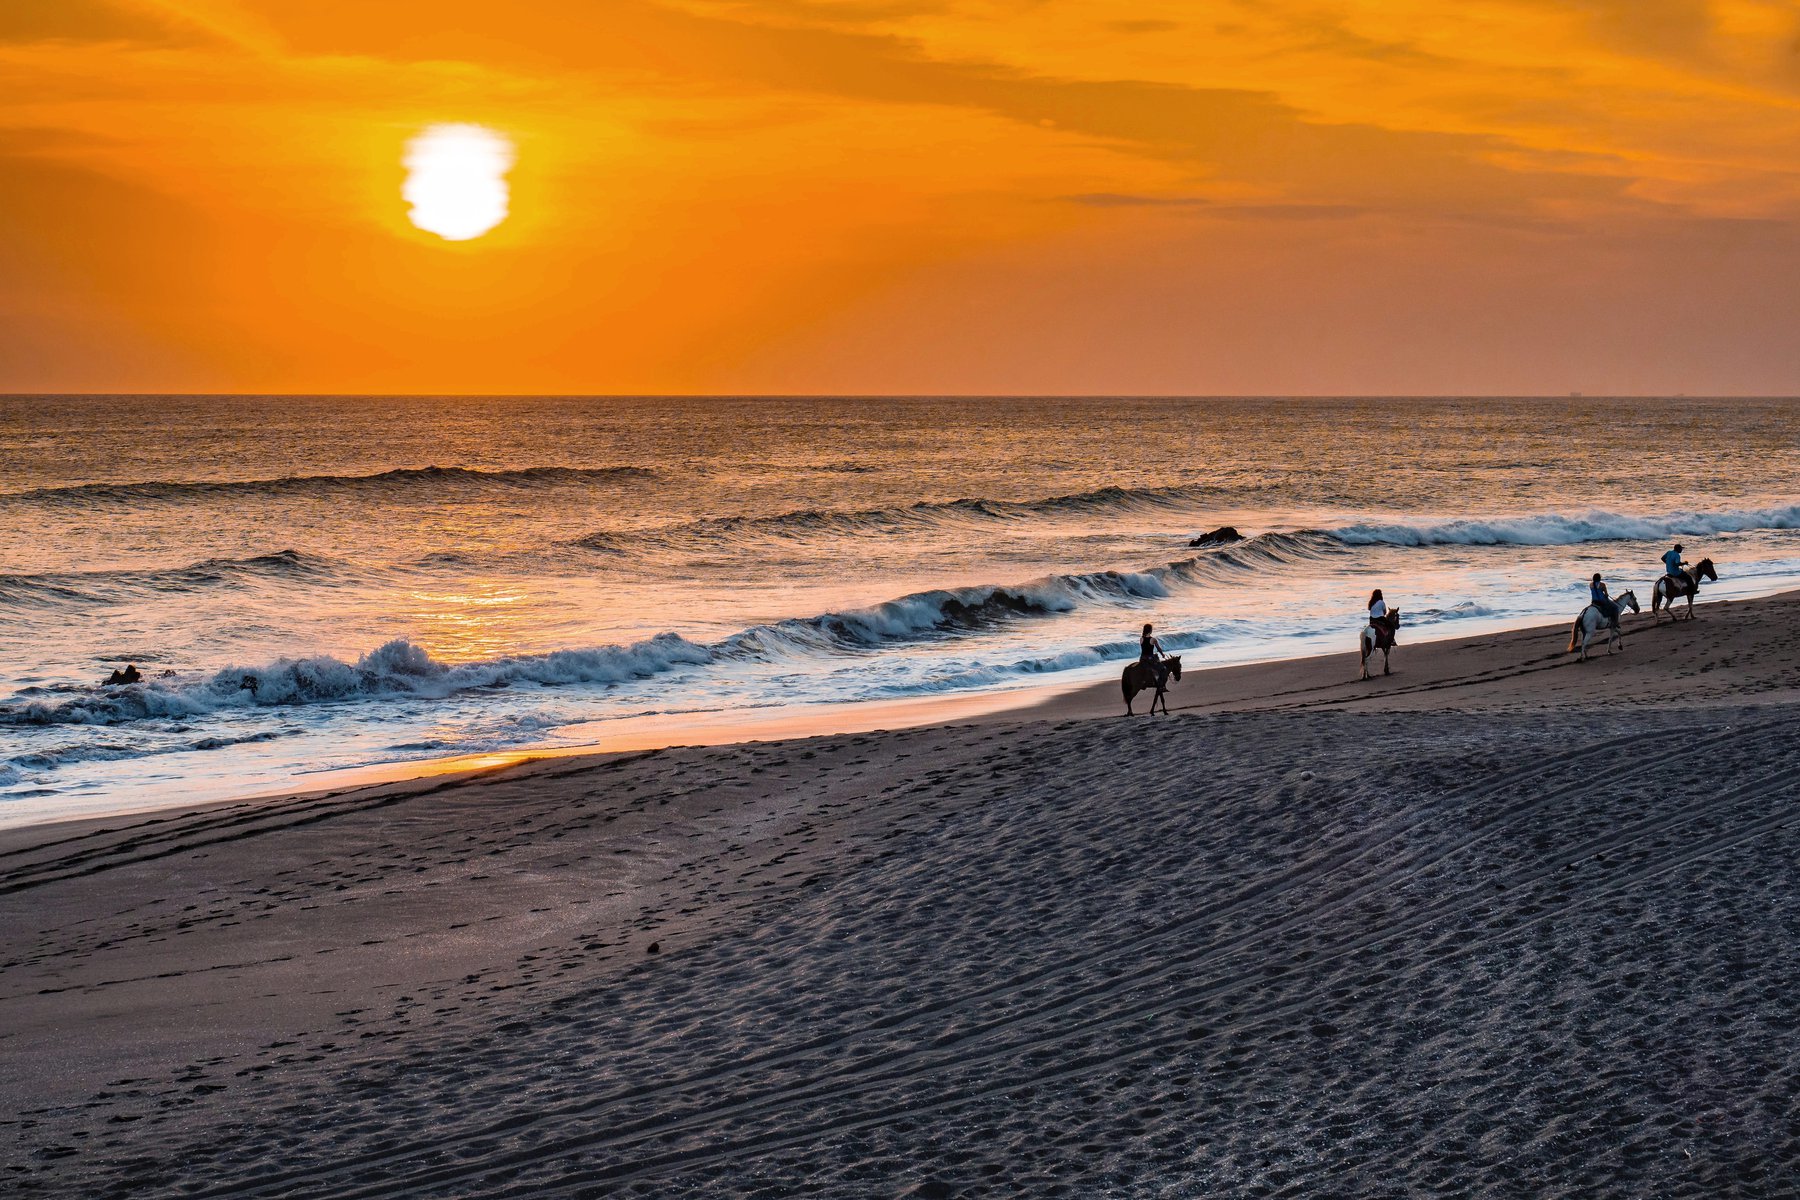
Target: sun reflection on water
x,y
482,620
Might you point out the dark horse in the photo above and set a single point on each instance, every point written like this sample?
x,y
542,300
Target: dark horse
x,y
1671,588
1378,634
1141,677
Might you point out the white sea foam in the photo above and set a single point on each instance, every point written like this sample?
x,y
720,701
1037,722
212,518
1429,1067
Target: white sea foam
x,y
397,669
403,669
1566,529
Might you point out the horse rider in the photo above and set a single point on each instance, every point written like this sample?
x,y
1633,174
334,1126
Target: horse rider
x,y
1672,566
1377,608
1150,654
1600,599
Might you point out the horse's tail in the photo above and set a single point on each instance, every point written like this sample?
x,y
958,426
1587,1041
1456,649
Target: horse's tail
x,y
1575,636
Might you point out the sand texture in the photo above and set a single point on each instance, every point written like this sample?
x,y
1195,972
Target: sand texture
x,y
1496,925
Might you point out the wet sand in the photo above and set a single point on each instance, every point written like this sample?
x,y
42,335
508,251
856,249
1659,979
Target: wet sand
x,y
1497,924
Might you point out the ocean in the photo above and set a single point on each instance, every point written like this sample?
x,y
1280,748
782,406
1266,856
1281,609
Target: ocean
x,y
315,583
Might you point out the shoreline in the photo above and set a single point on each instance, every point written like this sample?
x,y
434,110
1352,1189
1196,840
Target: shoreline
x,y
1457,663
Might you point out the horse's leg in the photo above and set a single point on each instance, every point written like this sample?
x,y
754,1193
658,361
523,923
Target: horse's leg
x,y
1362,649
1385,669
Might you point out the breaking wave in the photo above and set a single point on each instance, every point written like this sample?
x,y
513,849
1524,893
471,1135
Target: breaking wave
x,y
397,669
401,669
1564,529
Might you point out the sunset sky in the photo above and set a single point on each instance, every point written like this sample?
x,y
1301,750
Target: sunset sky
x,y
1167,196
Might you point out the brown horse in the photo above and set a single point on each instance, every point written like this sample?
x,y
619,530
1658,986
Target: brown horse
x,y
1671,588
1378,634
1141,677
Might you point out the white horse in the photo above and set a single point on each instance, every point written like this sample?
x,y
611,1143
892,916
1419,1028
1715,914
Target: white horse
x,y
1590,622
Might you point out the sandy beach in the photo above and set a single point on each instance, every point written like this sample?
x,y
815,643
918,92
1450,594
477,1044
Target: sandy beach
x,y
1497,924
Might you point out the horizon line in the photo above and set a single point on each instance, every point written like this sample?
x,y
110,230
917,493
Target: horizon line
x,y
423,395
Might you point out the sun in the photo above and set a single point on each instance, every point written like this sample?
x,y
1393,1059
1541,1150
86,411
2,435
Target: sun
x,y
456,180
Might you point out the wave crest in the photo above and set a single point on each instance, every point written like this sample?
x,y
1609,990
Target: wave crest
x,y
1566,529
399,480
115,587
898,519
396,670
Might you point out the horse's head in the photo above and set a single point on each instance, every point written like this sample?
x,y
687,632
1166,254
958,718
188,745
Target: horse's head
x,y
1705,570
1174,665
1629,600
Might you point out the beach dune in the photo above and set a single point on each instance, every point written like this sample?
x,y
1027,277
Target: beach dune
x,y
1498,924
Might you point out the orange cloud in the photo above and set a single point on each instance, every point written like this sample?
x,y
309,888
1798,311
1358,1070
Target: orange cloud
x,y
795,195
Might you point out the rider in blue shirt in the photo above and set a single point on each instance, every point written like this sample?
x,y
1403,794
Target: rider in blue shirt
x,y
1672,561
1598,597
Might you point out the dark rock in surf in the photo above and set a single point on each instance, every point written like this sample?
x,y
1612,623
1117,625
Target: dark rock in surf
x,y
1224,535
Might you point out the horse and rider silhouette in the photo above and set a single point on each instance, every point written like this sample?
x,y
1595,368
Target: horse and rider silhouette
x,y
1155,670
1678,581
1602,613
1681,581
